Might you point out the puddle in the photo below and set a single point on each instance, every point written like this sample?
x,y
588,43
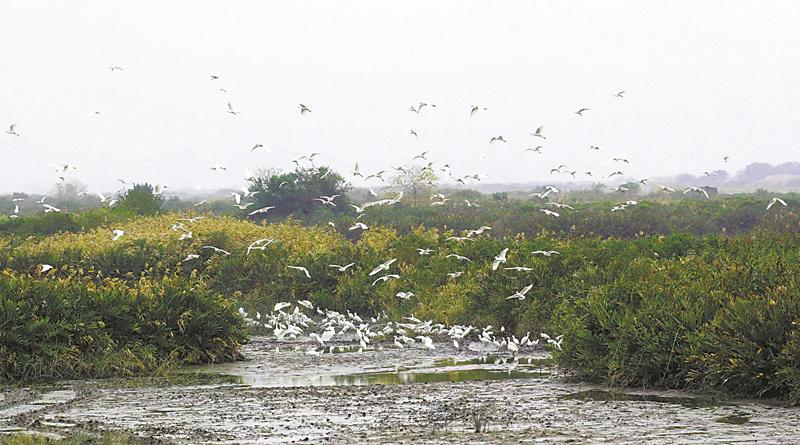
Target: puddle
x,y
386,378
733,419
599,395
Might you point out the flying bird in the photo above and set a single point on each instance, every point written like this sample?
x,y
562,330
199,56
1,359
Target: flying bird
x,y
538,133
580,112
499,259
774,201
497,139
341,268
301,269
520,295
117,234
383,266
304,109
12,130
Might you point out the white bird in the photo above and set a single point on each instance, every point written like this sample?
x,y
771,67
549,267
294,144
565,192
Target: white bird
x,y
117,234
470,204
341,268
427,342
550,213
497,139
698,190
281,305
190,257
12,130
383,266
774,201
45,268
536,149
48,208
519,268
545,252
185,236
499,259
459,257
404,295
520,295
385,278
667,189
300,268
424,252
538,132
359,225
261,210
217,250
560,206
260,244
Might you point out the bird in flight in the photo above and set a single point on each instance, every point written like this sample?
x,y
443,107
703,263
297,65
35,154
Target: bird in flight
x,y
520,295
383,266
413,133
217,250
213,77
304,109
117,234
261,210
474,109
231,110
545,252
341,268
620,94
499,259
774,201
536,149
538,133
115,68
580,112
301,269
497,139
12,130
698,190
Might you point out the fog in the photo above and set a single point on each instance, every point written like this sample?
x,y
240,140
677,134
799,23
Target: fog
x,y
703,80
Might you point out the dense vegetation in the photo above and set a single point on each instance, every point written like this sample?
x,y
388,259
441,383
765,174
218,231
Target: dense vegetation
x,y
678,294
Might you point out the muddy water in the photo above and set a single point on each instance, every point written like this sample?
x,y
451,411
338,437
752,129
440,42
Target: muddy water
x,y
393,396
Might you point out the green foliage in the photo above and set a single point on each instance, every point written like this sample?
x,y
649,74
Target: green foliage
x,y
141,200
296,192
71,326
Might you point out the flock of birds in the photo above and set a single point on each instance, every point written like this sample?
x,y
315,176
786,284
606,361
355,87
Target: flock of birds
x,y
333,332
404,333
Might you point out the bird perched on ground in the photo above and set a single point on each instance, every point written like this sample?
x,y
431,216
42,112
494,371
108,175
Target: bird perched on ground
x,y
117,234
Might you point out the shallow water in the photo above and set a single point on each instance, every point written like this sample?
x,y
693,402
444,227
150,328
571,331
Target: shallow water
x,y
396,396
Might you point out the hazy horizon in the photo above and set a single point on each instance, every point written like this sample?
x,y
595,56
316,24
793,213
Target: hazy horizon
x,y
703,80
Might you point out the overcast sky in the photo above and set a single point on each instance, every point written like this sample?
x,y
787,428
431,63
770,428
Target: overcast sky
x,y
704,79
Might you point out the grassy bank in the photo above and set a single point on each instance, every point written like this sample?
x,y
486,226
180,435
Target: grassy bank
x,y
713,312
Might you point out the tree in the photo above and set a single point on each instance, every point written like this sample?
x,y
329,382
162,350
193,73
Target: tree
x,y
416,182
297,192
141,200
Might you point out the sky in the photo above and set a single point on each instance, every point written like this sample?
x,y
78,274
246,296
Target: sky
x,y
703,80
